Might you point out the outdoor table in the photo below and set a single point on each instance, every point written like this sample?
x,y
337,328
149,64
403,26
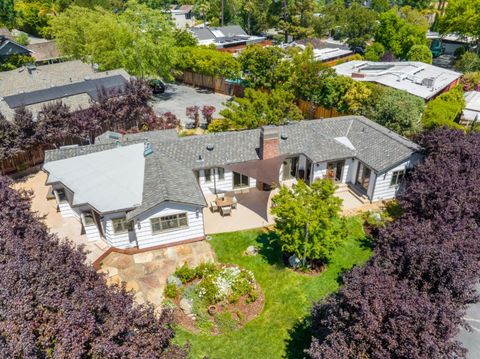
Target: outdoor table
x,y
224,202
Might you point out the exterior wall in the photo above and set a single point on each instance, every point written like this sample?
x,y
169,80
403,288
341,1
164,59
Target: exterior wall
x,y
65,209
121,240
143,228
382,189
320,170
181,21
352,171
222,186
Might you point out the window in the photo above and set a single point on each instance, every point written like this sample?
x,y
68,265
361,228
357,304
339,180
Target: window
x,y
61,195
208,175
120,225
397,177
167,223
221,173
88,218
240,180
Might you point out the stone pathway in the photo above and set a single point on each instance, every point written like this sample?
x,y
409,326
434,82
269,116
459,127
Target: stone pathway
x,y
146,273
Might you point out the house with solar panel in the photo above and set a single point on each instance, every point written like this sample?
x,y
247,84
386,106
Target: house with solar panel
x,y
154,189
75,83
9,47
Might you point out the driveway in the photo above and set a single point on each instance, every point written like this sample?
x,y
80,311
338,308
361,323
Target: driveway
x,y
177,98
471,340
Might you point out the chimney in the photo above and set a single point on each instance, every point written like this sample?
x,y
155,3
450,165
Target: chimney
x,y
269,142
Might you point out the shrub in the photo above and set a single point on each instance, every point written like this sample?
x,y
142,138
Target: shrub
x,y
374,52
444,110
185,273
171,290
205,269
420,53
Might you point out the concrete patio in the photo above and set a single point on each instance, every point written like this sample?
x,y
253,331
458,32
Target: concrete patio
x,y
146,273
64,227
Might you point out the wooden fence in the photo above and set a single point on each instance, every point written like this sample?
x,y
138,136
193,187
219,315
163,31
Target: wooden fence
x,y
311,111
216,84
23,161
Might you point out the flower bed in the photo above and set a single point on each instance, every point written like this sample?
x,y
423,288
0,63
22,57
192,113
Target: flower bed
x,y
213,298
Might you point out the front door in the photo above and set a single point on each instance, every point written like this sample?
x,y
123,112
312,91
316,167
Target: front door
x,y
335,170
363,176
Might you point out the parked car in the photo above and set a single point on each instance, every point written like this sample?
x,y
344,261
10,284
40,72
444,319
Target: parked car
x,y
157,86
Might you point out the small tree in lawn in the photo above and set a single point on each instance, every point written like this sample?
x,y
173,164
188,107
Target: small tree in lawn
x,y
207,113
193,114
307,220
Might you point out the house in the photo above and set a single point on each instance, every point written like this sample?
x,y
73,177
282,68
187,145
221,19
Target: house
x,y
417,78
45,52
327,51
227,38
74,83
8,45
471,112
182,16
149,189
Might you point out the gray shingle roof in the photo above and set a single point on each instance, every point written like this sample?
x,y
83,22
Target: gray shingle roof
x,y
169,170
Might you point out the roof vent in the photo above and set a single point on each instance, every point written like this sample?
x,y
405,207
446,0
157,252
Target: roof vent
x,y
200,158
283,136
148,149
210,146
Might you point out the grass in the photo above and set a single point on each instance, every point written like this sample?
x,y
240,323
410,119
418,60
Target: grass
x,y
281,330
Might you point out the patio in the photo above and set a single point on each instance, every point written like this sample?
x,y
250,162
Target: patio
x,y
251,212
63,227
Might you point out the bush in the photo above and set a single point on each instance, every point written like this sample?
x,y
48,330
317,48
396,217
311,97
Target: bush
x,y
468,62
185,273
374,52
171,291
444,110
420,53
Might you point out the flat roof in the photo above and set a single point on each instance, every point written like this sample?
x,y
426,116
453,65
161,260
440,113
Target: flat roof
x,y
417,78
472,107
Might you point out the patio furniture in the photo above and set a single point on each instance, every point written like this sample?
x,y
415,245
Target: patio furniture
x,y
224,202
221,195
213,206
234,202
227,210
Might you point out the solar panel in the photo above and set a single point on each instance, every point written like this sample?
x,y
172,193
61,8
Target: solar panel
x,y
90,87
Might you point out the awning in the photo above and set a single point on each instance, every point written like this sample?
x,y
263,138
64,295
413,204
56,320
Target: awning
x,y
266,171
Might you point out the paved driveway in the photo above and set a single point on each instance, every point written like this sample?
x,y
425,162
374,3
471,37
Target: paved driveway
x,y
471,340
178,97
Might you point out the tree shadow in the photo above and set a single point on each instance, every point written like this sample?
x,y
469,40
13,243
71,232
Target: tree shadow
x,y
270,248
300,338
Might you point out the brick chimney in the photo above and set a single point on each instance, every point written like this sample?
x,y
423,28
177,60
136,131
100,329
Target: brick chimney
x,y
269,148
269,142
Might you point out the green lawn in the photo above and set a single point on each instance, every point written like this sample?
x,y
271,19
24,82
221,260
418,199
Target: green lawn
x,y
280,330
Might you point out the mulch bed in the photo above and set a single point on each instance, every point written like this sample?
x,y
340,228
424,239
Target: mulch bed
x,y
241,311
316,267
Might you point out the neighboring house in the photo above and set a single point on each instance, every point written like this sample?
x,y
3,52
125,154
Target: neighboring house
x,y
8,45
471,113
74,83
45,52
417,78
228,38
182,16
149,189
328,51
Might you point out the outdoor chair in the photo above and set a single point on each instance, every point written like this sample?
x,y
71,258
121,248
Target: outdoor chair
x,y
213,206
235,202
221,195
226,211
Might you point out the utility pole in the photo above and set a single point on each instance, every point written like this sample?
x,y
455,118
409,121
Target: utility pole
x,y
223,12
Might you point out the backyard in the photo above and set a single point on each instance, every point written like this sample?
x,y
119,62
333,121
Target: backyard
x,y
280,330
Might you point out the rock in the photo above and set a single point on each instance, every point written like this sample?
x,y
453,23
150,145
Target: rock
x,y
251,251
173,279
186,305
294,261
376,217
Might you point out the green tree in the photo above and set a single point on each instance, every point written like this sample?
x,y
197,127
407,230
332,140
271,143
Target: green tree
x,y
394,109
208,61
374,52
259,108
444,110
307,220
468,62
420,53
462,17
397,34
380,5
259,65
331,92
139,39
7,13
360,25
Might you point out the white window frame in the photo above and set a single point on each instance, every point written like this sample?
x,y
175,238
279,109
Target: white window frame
x,y
124,225
157,227
397,178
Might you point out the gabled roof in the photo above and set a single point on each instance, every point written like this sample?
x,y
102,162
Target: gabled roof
x,y
169,170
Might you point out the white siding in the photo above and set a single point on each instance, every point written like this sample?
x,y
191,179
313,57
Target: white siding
x,y
143,228
92,233
347,171
121,240
383,190
320,170
65,209
222,186
353,171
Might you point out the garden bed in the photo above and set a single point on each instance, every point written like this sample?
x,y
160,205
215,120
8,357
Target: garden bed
x,y
214,299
